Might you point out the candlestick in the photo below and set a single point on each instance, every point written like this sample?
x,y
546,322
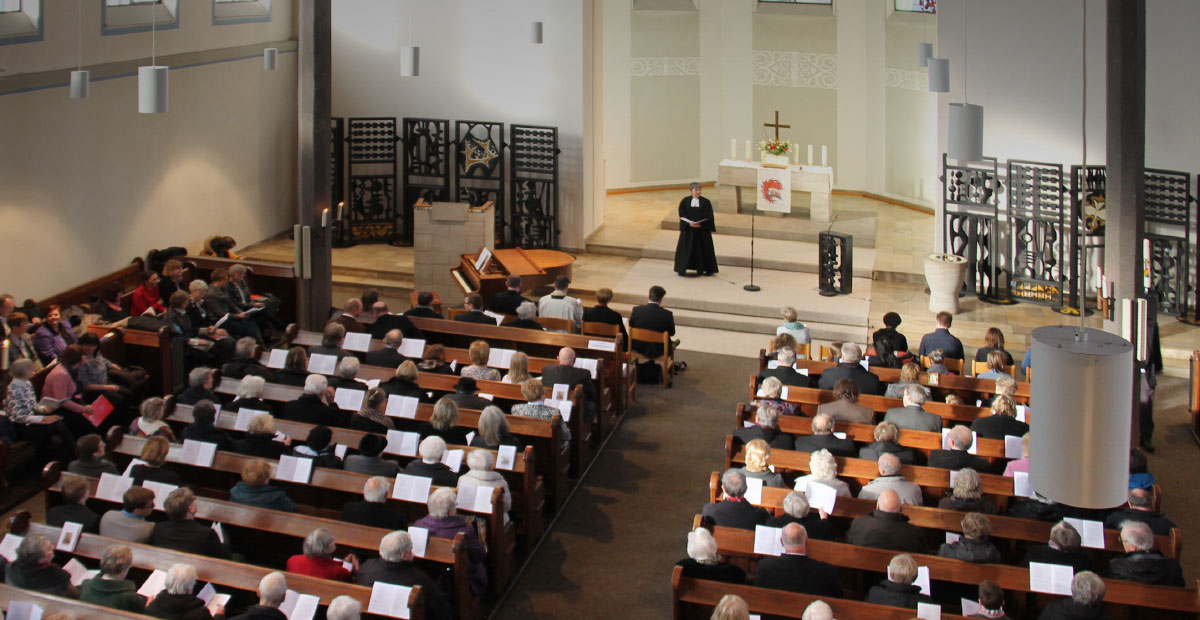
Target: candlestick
x,y
1108,290
733,148
795,156
748,158
324,218
1103,282
341,210
4,362
824,156
1146,264
810,154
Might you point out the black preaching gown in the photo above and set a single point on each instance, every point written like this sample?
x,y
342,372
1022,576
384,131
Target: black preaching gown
x,y
695,248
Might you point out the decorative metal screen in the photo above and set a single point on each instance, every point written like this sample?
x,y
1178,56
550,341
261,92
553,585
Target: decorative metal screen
x,y
1037,241
835,273
337,160
971,226
533,215
1170,228
371,210
426,165
479,168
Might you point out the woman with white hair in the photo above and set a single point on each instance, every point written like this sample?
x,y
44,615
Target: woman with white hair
x,y
260,439
770,393
178,599
443,522
967,494
703,561
318,561
824,470
482,473
344,608
494,431
796,510
34,568
150,423
249,395
758,461
731,607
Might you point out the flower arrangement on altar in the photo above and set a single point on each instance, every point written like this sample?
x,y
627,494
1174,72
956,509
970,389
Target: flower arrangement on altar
x,y
775,146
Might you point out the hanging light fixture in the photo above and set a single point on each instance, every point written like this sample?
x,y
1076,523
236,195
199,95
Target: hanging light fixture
x,y
270,58
80,78
939,75
537,32
965,141
924,49
410,55
152,80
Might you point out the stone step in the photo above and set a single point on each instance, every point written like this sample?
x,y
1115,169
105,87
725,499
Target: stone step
x,y
794,227
722,324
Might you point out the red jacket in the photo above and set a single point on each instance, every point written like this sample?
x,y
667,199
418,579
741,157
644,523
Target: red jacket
x,y
322,568
145,298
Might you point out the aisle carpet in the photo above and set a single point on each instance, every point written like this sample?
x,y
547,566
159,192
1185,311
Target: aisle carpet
x,y
611,552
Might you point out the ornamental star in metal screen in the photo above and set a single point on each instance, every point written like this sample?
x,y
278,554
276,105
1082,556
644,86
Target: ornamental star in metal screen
x,y
481,153
1094,213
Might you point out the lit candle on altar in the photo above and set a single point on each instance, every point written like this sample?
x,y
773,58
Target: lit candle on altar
x,y
1146,263
733,148
325,218
824,156
1103,283
1108,290
341,210
810,154
748,157
4,362
795,155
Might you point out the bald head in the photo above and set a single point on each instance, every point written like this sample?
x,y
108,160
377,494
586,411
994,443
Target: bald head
x,y
889,501
889,464
795,538
960,437
566,356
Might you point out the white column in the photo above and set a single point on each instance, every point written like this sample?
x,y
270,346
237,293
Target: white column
x,y
861,96
593,117
726,80
617,102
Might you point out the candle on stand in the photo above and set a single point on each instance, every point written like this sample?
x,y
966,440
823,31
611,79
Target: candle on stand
x,y
325,218
1146,263
4,362
1103,283
1108,290
733,148
810,154
341,210
824,156
795,155
748,157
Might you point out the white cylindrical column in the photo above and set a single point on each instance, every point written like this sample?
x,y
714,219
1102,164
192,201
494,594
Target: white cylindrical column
x,y
270,58
965,141
924,53
537,32
939,75
152,90
1081,408
410,61
79,84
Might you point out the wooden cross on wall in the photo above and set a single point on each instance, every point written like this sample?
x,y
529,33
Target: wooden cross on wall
x,y
776,125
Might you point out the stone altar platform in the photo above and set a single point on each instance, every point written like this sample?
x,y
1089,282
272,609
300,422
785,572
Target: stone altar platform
x,y
816,180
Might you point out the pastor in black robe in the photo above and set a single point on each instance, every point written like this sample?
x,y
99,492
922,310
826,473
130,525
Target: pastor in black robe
x,y
695,247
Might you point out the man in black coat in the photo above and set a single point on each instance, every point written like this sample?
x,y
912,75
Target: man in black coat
x,y
766,428
315,405
73,508
957,456
506,301
200,384
464,395
388,356
372,510
1086,602
601,313
898,590
941,338
796,572
182,532
565,372
822,438
734,510
1001,423
784,371
849,368
424,307
886,528
243,362
430,464
272,589
1065,551
1141,508
395,566
654,317
474,311
1142,562
386,322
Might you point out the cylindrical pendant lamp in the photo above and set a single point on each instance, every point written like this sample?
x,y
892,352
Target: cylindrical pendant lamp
x,y
939,75
410,61
965,142
270,58
1082,403
79,84
537,32
924,53
152,89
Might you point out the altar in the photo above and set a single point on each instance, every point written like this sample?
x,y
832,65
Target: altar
x,y
732,175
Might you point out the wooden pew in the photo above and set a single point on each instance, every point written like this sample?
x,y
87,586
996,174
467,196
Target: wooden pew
x,y
278,279
528,493
52,604
326,487
150,350
87,293
694,599
920,441
935,481
223,573
948,520
286,531
740,543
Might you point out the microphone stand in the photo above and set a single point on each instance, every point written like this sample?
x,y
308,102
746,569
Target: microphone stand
x,y
752,287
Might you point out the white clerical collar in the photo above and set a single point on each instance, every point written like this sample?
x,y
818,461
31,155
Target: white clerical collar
x,y
695,202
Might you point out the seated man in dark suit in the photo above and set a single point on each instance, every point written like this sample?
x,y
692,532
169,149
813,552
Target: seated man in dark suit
x,y
766,428
474,311
424,307
348,317
200,384
941,338
74,508
1002,422
911,416
526,317
388,356
1142,562
566,373
601,313
243,362
796,510
1064,548
796,572
849,368
898,590
734,510
957,456
372,510
822,438
386,322
464,395
886,528
1141,508
344,376
430,464
785,371
395,566
887,441
182,532
315,405
654,317
507,301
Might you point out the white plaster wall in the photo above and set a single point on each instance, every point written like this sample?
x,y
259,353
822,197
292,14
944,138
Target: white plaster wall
x,y
477,63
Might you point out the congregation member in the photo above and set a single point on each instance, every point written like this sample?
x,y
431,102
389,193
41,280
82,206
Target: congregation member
x,y
150,422
792,326
315,405
59,386
200,386
704,561
171,279
507,301
89,458
34,569
849,368
372,510
385,322
601,313
973,545
430,464
654,317
249,395
473,304
733,510
941,339
260,311
154,453
466,395
891,321
822,438
199,315
493,430
178,599
993,340
758,463
796,510
73,509
368,461
887,441
220,305
910,374
794,571
272,589
110,588
1002,422
535,407
110,309
370,417
912,416
526,317
146,297
319,447
345,376
898,590
845,406
1141,562
369,298
886,528
1065,548
937,364
817,610
20,343
443,423
255,489
260,440
518,369
479,352
389,356
129,522
967,494
443,522
1086,602
348,317
991,601
565,373
559,305
424,308
317,559
244,364
891,478
786,371
332,338
886,357
98,376
957,456
204,428
824,471
996,367
766,428
481,472
182,532
770,394
403,382
295,368
395,566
